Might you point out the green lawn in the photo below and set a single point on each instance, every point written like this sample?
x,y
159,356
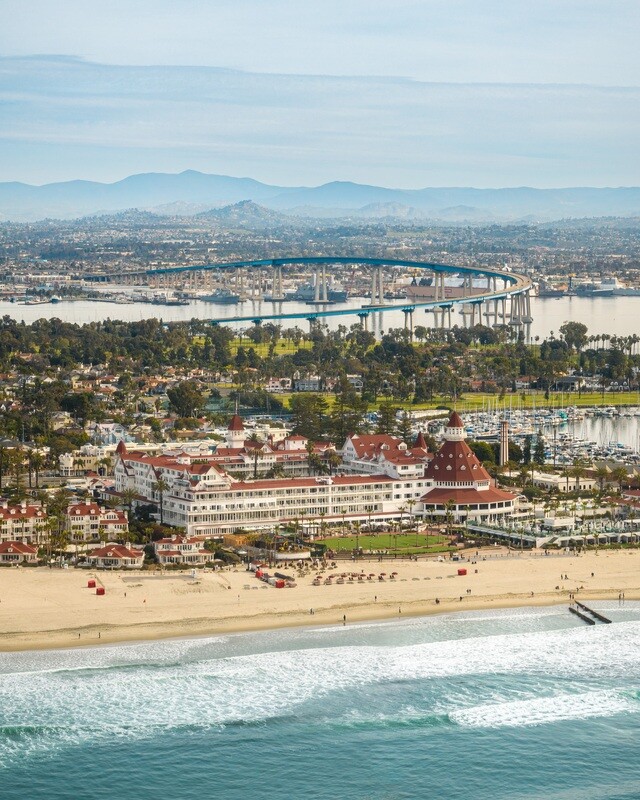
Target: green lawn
x,y
283,347
477,401
403,543
472,401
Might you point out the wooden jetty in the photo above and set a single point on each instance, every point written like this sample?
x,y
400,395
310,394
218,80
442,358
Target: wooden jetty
x,y
583,617
595,614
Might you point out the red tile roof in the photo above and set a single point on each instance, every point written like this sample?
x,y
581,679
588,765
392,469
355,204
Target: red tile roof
x,y
236,423
179,540
420,441
83,510
455,461
337,480
462,497
18,547
455,421
115,551
22,512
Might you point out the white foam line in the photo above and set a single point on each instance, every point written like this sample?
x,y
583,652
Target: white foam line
x,y
545,710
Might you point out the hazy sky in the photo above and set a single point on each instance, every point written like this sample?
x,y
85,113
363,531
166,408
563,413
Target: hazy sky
x,y
404,93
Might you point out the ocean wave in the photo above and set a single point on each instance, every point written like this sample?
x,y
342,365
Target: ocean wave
x,y
545,710
482,681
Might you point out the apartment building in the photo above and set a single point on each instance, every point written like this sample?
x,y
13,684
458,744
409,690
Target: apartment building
x,y
23,523
89,522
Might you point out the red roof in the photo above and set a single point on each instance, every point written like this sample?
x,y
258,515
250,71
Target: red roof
x,y
337,480
463,497
115,551
455,421
22,512
236,423
119,520
18,547
121,449
83,510
179,540
455,461
420,441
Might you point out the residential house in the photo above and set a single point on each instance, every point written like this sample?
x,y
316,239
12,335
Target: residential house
x,y
17,553
116,556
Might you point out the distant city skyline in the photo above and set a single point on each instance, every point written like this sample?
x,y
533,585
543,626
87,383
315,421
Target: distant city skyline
x,y
403,94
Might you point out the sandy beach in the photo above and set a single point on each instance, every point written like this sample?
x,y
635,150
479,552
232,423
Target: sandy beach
x,y
48,608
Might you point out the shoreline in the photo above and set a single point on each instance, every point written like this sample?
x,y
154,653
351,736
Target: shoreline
x,y
43,609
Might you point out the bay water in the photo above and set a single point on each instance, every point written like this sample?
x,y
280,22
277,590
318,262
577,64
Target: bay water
x,y
612,315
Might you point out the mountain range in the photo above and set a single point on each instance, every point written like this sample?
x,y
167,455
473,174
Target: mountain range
x,y
189,193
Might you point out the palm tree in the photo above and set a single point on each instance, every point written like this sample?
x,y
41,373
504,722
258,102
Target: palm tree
x,y
578,470
106,463
357,527
620,476
255,444
276,471
16,465
36,462
403,511
160,487
322,515
566,473
602,473
128,496
448,507
333,460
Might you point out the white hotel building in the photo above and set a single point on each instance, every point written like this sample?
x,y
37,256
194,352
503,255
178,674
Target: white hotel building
x,y
204,500
380,479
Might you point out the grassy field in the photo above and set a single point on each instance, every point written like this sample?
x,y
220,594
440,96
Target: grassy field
x,y
481,400
402,543
477,401
283,348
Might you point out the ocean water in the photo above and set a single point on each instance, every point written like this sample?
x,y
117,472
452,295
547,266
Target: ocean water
x,y
511,704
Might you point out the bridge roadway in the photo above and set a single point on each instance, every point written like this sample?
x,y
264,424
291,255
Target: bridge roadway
x,y
516,288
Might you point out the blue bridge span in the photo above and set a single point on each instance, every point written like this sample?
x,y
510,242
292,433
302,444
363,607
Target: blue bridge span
x,y
504,301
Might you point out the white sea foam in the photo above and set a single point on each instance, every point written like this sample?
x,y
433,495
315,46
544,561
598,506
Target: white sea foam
x,y
137,691
543,710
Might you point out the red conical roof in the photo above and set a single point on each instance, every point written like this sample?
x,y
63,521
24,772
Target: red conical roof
x,y
455,421
121,449
455,462
420,441
236,423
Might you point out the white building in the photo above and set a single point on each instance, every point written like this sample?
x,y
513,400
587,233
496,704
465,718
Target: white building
x,y
23,523
182,550
204,500
89,522
201,497
116,556
381,453
459,486
554,482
